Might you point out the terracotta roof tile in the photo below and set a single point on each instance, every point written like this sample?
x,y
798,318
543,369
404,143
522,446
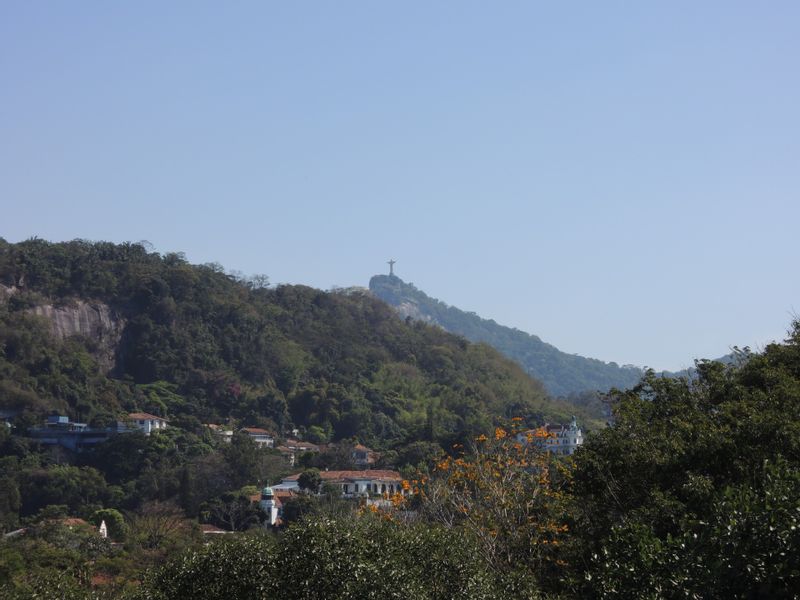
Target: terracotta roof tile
x,y
256,430
144,416
352,475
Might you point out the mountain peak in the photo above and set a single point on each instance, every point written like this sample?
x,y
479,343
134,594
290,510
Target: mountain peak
x,y
561,373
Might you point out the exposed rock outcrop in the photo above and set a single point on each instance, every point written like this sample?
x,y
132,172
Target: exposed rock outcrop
x,y
411,309
92,320
6,292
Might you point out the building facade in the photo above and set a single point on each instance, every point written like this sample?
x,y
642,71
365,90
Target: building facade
x,y
354,484
261,437
146,422
556,439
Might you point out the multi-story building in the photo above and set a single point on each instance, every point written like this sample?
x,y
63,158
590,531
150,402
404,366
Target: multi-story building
x,y
557,439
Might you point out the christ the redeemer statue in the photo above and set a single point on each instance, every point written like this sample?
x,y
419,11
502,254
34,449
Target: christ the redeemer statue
x,y
391,267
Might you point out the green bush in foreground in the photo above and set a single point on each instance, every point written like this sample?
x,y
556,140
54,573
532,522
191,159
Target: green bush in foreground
x,y
359,558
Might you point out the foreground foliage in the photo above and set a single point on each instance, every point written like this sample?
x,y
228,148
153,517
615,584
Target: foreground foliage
x,y
348,559
695,492
507,492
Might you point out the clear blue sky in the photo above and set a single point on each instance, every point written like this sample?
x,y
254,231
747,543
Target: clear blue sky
x,y
622,179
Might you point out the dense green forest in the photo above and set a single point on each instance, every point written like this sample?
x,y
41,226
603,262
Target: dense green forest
x,y
562,374
204,346
95,330
694,492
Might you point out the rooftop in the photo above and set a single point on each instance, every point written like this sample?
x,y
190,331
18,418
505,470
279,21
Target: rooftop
x,y
143,416
256,431
353,475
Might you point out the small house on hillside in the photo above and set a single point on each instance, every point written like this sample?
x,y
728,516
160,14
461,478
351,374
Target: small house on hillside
x,y
261,437
223,432
363,457
147,422
292,448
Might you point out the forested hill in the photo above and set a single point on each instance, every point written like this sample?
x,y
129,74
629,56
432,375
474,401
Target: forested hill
x,y
561,373
95,330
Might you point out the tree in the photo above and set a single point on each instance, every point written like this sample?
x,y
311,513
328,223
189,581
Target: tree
x,y
420,455
242,456
157,522
9,503
115,523
78,488
310,480
299,507
509,495
372,557
234,512
694,489
360,558
243,568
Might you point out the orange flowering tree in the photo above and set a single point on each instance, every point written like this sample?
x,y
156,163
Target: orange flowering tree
x,y
507,491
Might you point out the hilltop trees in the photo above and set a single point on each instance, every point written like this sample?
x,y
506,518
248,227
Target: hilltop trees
x,y
199,343
563,374
694,491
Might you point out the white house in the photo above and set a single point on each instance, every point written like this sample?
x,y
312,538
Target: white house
x,y
363,456
226,435
262,437
354,484
559,439
292,448
147,422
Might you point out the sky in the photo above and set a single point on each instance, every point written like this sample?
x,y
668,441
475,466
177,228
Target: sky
x,y
621,179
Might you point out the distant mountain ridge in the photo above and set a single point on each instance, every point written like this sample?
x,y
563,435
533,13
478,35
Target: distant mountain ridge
x,y
562,374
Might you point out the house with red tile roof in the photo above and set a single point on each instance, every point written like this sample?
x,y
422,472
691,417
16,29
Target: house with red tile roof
x,y
147,422
291,449
262,437
353,484
363,457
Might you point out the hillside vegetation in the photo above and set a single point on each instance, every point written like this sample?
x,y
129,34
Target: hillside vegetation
x,y
692,492
561,373
206,346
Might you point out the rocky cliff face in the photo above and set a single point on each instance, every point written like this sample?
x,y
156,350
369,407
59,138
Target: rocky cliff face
x,y
6,292
92,320
411,309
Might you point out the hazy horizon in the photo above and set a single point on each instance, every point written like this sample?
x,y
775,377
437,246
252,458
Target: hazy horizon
x,y
619,180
